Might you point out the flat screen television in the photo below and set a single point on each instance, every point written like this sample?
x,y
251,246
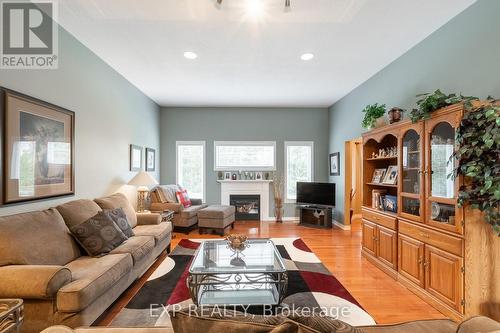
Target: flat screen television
x,y
320,194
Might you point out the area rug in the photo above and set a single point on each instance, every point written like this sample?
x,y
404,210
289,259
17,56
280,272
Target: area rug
x,y
310,285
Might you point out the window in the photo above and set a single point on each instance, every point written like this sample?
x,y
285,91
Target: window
x,y
190,157
298,166
245,155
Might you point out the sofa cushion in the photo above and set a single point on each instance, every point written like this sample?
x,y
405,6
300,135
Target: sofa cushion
x,y
98,235
78,211
192,211
419,326
138,246
479,324
92,277
183,198
44,231
118,216
158,231
118,200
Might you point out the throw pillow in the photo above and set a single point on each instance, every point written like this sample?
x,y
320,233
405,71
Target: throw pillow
x,y
120,218
183,198
98,235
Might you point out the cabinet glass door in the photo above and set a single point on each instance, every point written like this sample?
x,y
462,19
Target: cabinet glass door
x,y
411,174
441,207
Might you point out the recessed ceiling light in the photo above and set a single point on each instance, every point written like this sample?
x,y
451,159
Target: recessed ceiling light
x,y
255,8
307,56
190,55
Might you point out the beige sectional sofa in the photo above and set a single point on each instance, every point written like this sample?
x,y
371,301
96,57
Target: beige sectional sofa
x,y
41,263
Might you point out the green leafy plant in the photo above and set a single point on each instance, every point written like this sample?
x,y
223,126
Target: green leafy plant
x,y
478,153
430,102
372,113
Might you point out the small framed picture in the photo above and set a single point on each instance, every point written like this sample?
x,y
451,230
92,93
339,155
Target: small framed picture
x,y
335,164
378,175
390,203
135,158
391,176
258,175
227,175
150,159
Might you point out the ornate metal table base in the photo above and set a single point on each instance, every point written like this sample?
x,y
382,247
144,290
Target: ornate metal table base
x,y
217,289
11,315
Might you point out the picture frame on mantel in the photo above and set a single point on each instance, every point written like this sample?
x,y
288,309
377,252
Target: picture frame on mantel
x,y
334,160
135,158
38,153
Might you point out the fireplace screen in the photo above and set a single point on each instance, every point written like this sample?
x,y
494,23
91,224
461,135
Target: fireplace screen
x,y
247,206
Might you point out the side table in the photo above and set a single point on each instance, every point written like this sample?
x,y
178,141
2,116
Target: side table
x,y
11,315
166,215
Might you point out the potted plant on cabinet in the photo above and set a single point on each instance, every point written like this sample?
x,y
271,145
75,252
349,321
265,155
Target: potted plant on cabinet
x,y
374,116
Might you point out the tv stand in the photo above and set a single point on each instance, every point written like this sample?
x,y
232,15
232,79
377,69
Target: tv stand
x,y
315,216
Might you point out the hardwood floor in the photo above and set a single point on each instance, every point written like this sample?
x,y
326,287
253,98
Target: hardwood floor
x,y
385,299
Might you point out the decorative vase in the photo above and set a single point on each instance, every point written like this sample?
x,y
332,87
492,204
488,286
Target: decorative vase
x,y
278,209
395,115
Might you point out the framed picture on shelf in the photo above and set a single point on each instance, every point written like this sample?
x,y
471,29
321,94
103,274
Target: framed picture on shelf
x,y
378,175
37,150
391,176
150,159
390,203
135,158
335,164
227,175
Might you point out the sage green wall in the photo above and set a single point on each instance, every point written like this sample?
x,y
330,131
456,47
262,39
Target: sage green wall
x,y
110,114
240,124
462,56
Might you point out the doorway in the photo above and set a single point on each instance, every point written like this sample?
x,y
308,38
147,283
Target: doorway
x,y
352,181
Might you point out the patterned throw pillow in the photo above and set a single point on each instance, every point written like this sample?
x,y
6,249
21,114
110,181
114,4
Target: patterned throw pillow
x,y
120,218
98,235
183,198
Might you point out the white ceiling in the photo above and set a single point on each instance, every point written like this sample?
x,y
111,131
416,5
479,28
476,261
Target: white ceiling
x,y
249,61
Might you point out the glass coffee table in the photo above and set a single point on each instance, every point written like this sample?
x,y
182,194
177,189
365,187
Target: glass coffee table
x,y
220,275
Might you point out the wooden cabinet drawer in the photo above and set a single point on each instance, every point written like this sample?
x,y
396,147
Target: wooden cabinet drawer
x,y
445,242
380,218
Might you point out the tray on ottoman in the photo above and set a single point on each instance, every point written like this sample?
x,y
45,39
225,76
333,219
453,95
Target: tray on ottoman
x,y
216,217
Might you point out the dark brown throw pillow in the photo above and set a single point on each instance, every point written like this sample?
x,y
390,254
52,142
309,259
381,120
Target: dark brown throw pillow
x,y
120,218
98,235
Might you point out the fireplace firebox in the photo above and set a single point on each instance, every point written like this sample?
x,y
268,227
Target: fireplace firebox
x,y
247,206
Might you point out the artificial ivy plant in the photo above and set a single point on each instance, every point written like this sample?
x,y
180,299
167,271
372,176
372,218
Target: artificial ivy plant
x,y
372,113
478,153
430,102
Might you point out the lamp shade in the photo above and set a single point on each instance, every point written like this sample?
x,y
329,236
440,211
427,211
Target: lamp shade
x,y
142,179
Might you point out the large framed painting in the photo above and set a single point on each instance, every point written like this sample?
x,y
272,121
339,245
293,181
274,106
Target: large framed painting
x,y
38,148
135,158
335,164
150,159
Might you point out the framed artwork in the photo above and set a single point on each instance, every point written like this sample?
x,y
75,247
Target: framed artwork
x,y
390,203
150,159
391,176
378,175
135,158
38,148
227,175
335,164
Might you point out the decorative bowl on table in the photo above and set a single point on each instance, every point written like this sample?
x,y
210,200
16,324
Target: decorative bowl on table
x,y
236,242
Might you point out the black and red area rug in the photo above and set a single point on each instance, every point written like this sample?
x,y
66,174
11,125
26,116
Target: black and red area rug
x,y
310,286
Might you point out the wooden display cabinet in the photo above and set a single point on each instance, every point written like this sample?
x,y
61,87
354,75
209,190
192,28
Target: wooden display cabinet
x,y
429,245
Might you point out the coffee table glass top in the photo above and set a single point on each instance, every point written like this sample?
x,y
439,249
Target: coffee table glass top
x,y
215,256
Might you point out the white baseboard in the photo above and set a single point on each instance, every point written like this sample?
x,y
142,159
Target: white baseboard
x,y
341,225
285,219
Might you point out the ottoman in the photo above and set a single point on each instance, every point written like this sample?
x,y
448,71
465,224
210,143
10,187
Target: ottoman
x,y
216,217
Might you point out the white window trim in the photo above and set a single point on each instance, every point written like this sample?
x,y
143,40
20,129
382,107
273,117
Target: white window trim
x,y
192,143
244,143
296,143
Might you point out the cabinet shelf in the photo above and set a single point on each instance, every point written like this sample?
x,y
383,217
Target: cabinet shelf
x,y
382,158
381,184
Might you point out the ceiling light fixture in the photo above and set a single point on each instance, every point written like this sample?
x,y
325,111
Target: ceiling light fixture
x,y
254,8
287,3
307,56
190,55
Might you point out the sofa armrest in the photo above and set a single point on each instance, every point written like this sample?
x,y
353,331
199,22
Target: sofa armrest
x,y
196,202
148,218
174,206
32,281
479,324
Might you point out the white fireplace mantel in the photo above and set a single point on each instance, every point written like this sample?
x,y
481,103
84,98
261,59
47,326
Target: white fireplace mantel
x,y
255,187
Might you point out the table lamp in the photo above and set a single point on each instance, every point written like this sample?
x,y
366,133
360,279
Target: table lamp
x,y
142,180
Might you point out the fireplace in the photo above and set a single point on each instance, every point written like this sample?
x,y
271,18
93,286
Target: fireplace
x,y
247,206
